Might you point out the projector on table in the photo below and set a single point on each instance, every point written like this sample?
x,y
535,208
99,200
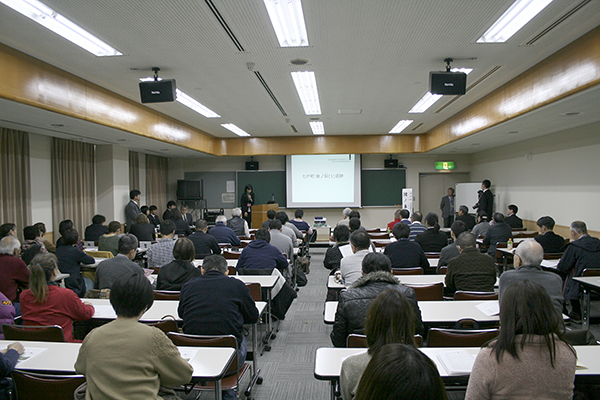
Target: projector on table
x,y
320,222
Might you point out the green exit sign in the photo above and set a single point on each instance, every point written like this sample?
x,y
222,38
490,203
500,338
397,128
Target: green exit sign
x,y
444,165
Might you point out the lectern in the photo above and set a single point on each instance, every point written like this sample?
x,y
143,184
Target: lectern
x,y
259,213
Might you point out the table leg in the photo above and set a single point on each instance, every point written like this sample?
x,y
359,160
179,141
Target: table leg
x,y
585,310
218,390
255,371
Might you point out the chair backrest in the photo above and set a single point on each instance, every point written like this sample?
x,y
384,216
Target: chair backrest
x,y
373,230
524,235
52,333
231,270
466,295
443,270
459,338
380,244
429,292
100,254
518,229
166,325
231,255
255,291
407,271
591,272
255,271
166,295
432,254
182,339
375,236
553,256
30,386
360,341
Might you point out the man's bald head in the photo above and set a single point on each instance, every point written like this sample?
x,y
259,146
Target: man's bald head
x,y
530,252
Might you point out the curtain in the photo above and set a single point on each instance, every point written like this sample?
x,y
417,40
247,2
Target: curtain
x,y
157,175
134,170
73,183
15,191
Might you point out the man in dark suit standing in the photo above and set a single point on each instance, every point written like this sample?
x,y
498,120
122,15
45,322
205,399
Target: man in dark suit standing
x,y
511,217
486,200
132,209
447,207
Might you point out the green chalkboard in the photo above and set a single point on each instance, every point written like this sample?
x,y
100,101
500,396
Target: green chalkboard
x,y
382,187
266,185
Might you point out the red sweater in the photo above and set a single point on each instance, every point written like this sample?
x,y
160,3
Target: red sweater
x,y
62,307
13,272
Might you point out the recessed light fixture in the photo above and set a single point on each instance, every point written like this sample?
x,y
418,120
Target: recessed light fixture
x,y
60,25
306,86
513,19
188,101
400,126
317,127
287,19
235,129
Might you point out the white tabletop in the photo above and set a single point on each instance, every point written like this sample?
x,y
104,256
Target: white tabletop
x,y
266,281
406,279
209,362
590,280
436,311
230,263
550,263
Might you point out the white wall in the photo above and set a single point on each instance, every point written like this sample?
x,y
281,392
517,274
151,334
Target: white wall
x,y
41,179
556,175
112,181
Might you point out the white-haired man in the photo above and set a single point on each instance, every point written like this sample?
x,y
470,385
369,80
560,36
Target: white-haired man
x,y
223,233
238,224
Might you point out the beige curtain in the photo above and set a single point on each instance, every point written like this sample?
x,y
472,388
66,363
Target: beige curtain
x,y
73,183
15,191
157,175
134,170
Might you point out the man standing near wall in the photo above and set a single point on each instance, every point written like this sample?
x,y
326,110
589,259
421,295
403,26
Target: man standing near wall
x,y
447,207
132,209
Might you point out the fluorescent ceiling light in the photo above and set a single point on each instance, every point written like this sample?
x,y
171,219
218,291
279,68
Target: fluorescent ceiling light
x,y
235,129
464,70
400,126
317,127
287,19
520,13
427,101
60,25
306,85
188,101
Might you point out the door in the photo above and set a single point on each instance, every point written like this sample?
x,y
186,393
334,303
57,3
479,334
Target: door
x,y
432,187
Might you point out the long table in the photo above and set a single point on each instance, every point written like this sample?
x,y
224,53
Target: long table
x,y
328,363
209,363
404,279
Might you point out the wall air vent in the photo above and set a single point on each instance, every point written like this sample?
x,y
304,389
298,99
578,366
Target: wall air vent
x,y
268,89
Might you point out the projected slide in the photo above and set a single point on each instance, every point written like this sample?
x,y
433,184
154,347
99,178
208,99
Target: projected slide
x,y
323,180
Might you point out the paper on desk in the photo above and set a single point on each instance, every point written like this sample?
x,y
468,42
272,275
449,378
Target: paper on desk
x,y
30,352
187,354
103,311
489,308
457,362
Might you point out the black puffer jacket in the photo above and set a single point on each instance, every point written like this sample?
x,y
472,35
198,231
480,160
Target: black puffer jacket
x,y
354,304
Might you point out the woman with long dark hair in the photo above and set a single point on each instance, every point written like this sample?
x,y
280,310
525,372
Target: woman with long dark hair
x,y
432,240
529,359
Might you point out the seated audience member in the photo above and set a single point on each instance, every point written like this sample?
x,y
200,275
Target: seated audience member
x,y
8,360
289,229
529,359
7,316
482,224
110,269
299,223
403,253
69,259
96,229
527,261
400,372
175,274
354,302
259,254
432,240
143,230
145,210
472,270
279,240
582,252
125,359
161,252
204,243
550,241
270,216
32,245
187,217
346,213
224,234
40,226
415,226
511,217
354,214
110,241
390,319
214,304
13,271
181,225
8,229
62,228
463,215
333,255
355,226
45,303
399,216
451,251
238,224
153,215
351,265
171,205
499,232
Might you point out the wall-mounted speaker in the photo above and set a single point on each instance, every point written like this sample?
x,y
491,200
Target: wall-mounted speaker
x,y
158,91
451,83
251,165
390,163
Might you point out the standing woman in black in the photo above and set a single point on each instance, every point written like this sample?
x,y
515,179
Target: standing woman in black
x,y
247,202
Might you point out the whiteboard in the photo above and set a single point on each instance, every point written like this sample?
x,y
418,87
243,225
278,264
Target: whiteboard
x,y
466,194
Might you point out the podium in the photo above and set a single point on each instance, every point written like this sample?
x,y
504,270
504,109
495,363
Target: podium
x,y
259,214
